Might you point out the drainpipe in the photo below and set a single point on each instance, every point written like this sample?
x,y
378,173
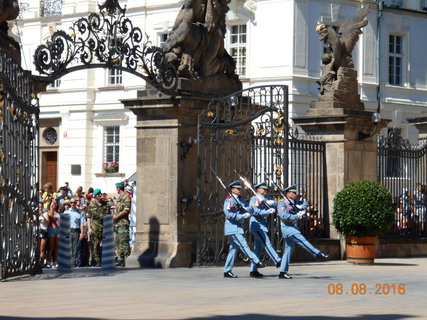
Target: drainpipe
x,y
380,14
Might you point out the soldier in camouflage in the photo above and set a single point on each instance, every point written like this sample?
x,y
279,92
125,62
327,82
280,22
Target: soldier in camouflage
x,y
121,225
95,218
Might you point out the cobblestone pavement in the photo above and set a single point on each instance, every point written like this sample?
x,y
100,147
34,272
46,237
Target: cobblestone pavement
x,y
391,289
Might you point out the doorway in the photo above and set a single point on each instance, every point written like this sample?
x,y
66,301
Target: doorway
x,y
50,168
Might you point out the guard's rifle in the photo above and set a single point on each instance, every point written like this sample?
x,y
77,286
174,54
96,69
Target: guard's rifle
x,y
294,207
249,186
229,192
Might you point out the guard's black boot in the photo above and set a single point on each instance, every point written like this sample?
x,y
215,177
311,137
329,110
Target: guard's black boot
x,y
322,256
120,263
229,274
278,264
284,275
255,274
260,265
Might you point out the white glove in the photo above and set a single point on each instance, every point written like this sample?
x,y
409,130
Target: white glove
x,y
301,214
246,215
271,210
271,202
303,205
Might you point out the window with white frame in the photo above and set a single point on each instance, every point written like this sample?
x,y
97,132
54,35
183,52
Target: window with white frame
x,y
50,8
114,77
237,46
395,56
424,5
111,149
162,38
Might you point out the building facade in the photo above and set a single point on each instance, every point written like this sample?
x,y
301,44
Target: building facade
x,y
88,138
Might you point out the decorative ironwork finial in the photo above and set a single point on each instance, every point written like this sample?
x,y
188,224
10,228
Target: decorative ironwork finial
x,y
112,6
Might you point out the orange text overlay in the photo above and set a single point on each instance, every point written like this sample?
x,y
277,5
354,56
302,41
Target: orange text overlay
x,y
364,289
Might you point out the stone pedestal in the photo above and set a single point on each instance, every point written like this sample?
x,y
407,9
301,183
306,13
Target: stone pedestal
x,y
351,148
166,176
341,93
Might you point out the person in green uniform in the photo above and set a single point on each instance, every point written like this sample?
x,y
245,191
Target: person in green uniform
x,y
95,217
121,225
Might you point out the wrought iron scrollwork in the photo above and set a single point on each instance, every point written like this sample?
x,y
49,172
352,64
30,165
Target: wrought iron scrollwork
x,y
107,40
394,140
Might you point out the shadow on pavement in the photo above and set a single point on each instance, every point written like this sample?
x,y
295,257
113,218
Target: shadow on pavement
x,y
84,272
248,317
271,317
391,264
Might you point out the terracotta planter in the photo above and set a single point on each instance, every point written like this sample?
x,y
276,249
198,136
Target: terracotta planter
x,y
361,250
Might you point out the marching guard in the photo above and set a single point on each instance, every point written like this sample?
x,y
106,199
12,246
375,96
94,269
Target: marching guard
x,y
263,206
290,210
236,211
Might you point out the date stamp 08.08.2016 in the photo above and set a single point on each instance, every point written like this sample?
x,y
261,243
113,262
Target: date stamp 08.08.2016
x,y
364,289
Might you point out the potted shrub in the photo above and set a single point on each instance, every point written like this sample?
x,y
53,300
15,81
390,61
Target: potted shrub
x,y
362,211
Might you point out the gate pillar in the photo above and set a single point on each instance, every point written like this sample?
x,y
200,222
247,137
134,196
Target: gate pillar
x,y
166,180
351,147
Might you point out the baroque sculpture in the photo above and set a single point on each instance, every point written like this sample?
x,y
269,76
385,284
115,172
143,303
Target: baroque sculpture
x,y
338,83
196,43
9,10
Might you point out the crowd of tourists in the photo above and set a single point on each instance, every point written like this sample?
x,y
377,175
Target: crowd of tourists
x,y
410,211
86,211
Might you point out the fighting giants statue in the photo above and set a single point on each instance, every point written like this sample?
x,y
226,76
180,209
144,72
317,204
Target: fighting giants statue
x,y
9,10
339,79
196,44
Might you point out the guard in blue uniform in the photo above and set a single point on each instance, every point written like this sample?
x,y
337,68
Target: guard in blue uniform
x,y
258,226
233,228
290,211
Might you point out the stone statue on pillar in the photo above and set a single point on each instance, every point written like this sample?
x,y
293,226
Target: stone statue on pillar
x,y
9,10
338,83
196,45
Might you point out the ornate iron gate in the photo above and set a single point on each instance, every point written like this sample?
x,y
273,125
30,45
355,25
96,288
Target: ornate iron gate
x,y
249,132
18,170
402,169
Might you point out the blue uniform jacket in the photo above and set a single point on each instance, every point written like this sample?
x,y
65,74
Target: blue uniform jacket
x,y
288,218
234,216
259,217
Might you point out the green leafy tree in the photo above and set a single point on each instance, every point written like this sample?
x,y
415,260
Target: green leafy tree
x,y
362,209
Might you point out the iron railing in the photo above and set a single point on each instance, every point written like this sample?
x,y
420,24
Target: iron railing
x,y
402,169
308,171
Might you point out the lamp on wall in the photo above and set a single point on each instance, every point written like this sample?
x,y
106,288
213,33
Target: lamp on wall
x,y
376,118
233,101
